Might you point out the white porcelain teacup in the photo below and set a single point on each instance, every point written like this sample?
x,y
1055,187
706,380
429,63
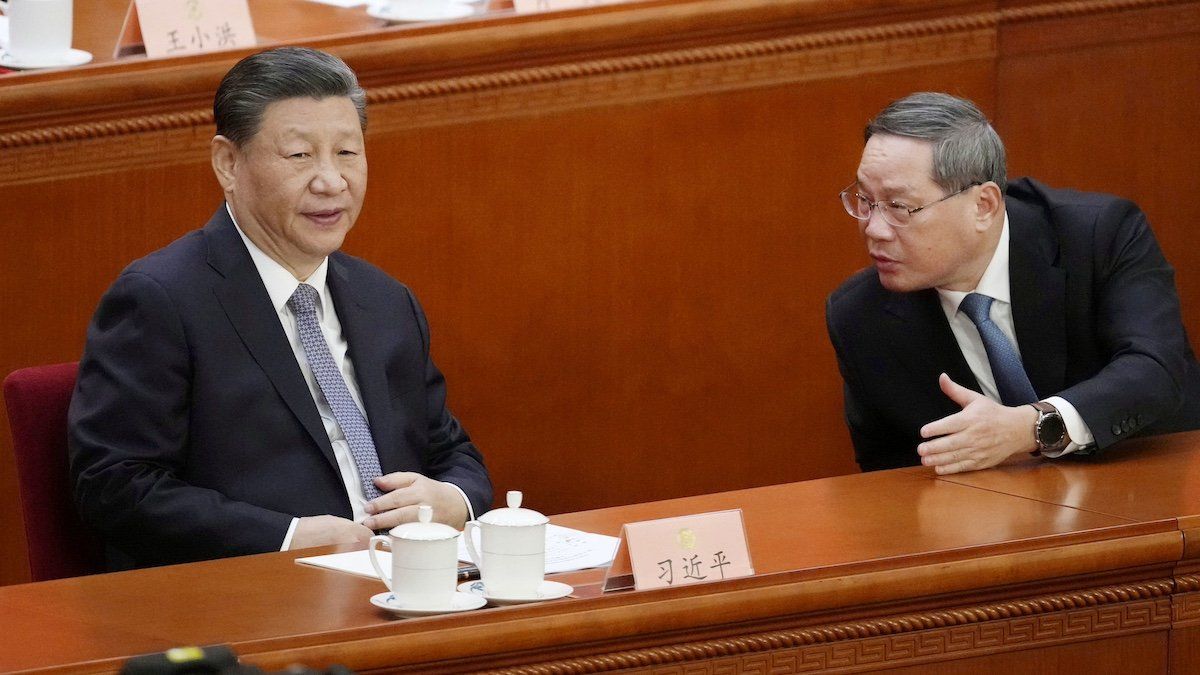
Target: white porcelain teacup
x,y
513,543
38,29
424,562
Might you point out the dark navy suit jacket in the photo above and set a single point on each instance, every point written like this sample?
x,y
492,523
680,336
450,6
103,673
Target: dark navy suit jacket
x,y
1097,321
193,433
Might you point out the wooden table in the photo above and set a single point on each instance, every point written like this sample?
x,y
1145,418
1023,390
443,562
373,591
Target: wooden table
x,y
1063,566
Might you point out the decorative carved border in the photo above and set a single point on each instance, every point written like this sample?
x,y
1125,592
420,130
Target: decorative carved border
x,y
1063,10
1187,583
1070,26
689,72
903,44
902,640
1186,601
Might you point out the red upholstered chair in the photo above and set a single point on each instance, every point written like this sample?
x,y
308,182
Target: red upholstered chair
x,y
59,544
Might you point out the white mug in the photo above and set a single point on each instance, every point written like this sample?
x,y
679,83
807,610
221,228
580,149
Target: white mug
x,y
38,29
424,570
513,543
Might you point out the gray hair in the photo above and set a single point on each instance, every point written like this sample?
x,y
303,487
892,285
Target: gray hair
x,y
966,149
275,75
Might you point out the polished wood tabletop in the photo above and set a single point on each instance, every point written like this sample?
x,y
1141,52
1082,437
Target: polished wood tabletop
x,y
817,545
1112,485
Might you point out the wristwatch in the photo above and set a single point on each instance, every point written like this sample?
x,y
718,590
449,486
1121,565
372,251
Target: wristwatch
x,y
1050,431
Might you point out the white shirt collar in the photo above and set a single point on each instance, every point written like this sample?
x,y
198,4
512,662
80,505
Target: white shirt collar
x,y
993,283
279,281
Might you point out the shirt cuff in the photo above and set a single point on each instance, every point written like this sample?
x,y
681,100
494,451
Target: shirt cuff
x,y
1077,429
287,539
470,511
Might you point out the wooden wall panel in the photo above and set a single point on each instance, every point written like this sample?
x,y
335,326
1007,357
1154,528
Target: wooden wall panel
x,y
642,298
1108,102
65,242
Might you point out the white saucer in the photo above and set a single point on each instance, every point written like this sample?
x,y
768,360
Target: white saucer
x,y
409,12
548,590
462,602
74,57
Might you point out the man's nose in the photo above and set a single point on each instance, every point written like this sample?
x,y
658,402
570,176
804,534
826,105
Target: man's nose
x,y
878,228
328,179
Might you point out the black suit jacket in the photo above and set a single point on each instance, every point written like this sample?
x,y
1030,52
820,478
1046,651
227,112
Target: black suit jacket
x,y
1097,321
193,433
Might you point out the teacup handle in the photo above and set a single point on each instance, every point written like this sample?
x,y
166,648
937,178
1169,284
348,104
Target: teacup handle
x,y
470,537
377,539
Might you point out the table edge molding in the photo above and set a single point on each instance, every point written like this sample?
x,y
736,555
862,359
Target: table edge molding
x,y
913,638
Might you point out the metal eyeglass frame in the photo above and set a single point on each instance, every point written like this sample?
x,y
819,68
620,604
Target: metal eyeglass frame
x,y
888,207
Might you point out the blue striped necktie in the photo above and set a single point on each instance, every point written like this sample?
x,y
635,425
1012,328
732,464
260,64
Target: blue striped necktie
x,y
1011,380
303,304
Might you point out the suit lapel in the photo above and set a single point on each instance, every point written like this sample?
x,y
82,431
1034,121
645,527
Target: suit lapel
x,y
368,350
921,338
1038,290
246,303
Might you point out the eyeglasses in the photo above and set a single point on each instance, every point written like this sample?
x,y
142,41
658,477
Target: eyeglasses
x,y
894,213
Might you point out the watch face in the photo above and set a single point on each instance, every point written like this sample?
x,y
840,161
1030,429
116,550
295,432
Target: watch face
x,y
1051,430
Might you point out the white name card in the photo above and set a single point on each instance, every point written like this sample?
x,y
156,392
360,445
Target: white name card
x,y
532,6
179,27
679,551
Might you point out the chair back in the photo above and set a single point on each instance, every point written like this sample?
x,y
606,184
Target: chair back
x,y
58,542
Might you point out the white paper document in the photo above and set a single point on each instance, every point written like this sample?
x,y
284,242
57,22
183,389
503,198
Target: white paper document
x,y
567,550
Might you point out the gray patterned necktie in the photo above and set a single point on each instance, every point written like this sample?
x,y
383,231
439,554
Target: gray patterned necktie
x,y
1011,380
333,385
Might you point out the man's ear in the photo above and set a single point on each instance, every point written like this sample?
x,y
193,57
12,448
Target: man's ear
x,y
225,157
989,204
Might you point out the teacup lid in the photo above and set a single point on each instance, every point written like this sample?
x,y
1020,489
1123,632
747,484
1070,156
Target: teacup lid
x,y
514,515
424,529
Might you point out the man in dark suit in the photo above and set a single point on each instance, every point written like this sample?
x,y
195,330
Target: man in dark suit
x,y
999,319
249,388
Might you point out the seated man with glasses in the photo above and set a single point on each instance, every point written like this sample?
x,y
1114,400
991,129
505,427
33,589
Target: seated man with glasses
x,y
999,319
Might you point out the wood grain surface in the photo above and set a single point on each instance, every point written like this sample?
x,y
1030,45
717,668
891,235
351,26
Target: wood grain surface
x,y
898,569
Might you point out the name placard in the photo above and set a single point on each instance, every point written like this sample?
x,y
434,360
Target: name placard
x,y
679,551
531,6
178,27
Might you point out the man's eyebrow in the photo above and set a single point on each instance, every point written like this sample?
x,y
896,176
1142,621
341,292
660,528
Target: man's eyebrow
x,y
890,189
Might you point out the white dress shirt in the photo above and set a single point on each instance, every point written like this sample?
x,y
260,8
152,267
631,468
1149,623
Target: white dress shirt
x,y
280,286
995,284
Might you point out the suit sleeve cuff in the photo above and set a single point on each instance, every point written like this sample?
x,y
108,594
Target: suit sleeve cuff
x,y
287,539
1077,429
470,511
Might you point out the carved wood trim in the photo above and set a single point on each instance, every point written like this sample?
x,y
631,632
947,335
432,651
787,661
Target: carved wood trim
x,y
901,640
695,56
167,139
1186,602
673,74
1063,10
1031,32
848,44
180,137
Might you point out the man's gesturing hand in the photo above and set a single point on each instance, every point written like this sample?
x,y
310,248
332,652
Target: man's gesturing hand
x,y
981,435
